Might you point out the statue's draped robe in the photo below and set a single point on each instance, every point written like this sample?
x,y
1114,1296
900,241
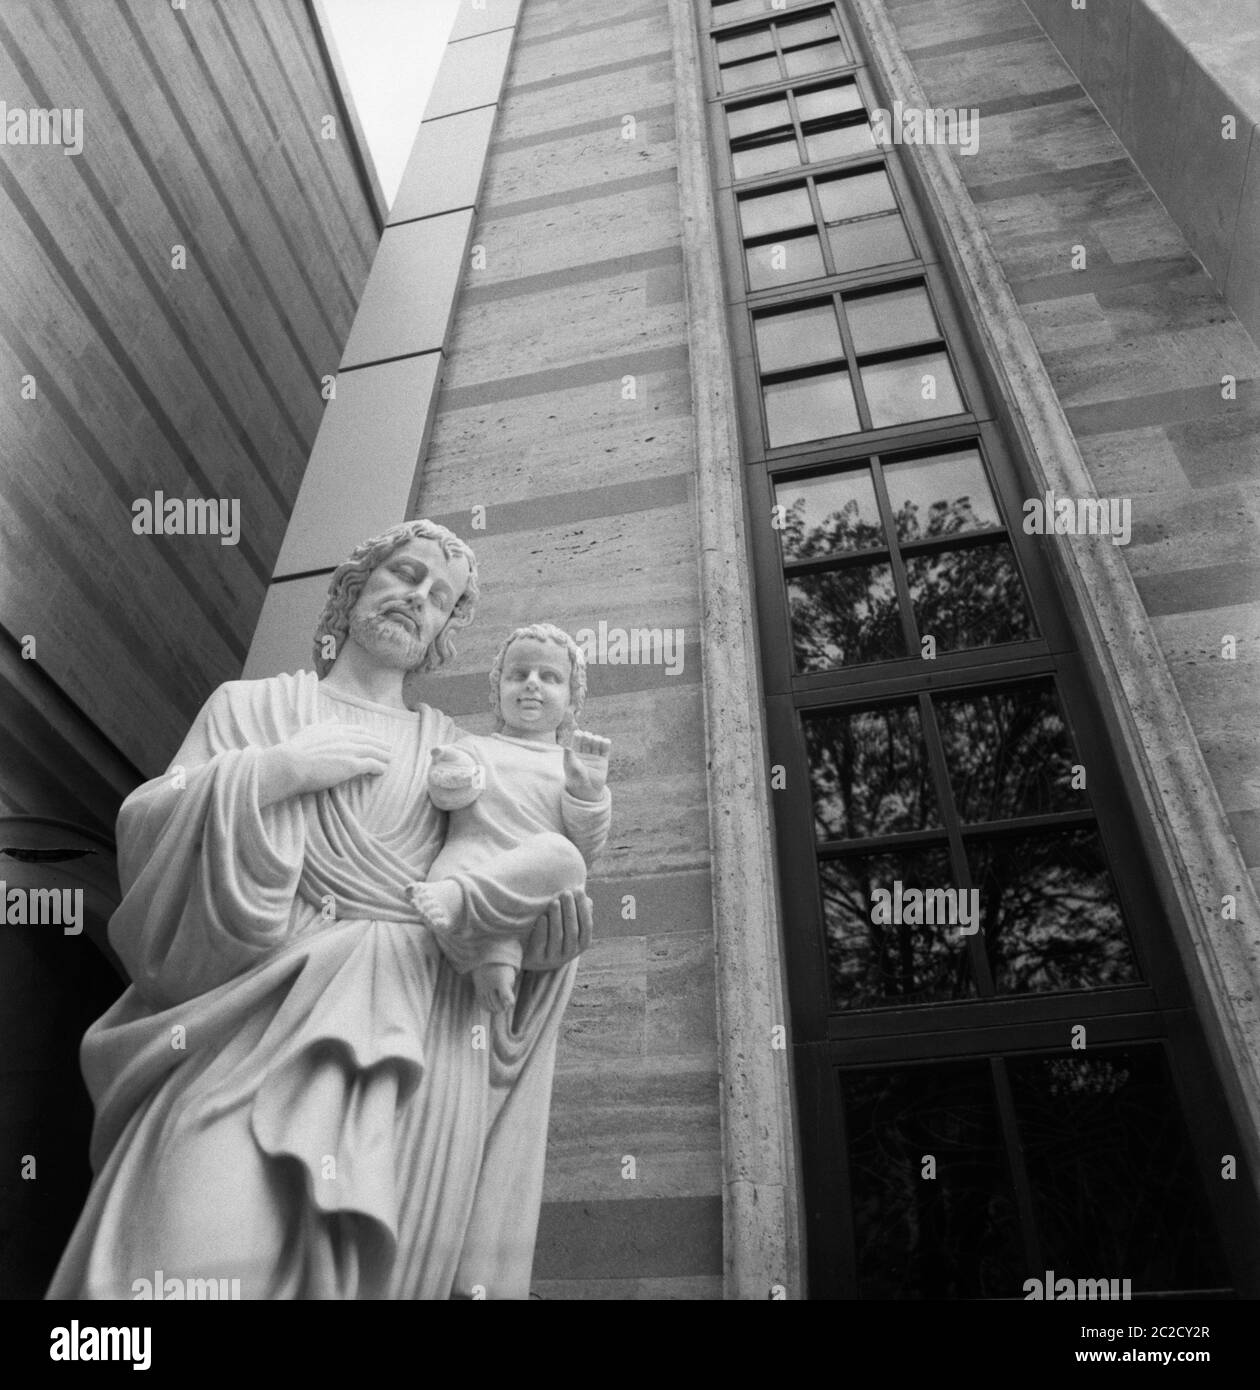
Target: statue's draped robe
x,y
295,1090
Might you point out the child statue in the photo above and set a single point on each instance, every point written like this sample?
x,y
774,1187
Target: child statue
x,y
527,815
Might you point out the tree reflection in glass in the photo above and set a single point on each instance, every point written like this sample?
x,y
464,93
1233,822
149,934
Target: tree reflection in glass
x,y
1049,914
941,495
869,773
845,617
969,598
1008,753
828,515
956,1236
842,616
1113,1185
877,963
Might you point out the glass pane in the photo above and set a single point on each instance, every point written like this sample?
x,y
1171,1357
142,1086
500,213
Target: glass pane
x,y
838,143
969,598
765,159
754,74
764,115
940,495
1008,753
797,338
813,407
869,773
873,241
754,44
828,515
910,388
889,936
728,11
1049,913
784,262
763,214
956,1236
802,61
814,29
893,319
844,618
855,195
833,100
1114,1189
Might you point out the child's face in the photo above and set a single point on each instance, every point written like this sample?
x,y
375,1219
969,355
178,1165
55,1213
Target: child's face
x,y
534,689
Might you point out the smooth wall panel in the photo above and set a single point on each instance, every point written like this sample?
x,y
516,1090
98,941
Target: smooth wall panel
x,y
364,461
471,74
284,638
446,164
483,16
410,293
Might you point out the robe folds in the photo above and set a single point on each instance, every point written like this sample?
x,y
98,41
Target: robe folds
x,y
298,1090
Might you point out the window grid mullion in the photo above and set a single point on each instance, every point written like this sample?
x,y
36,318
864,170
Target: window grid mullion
x,y
981,973
850,354
842,559
1020,1181
778,51
820,227
798,126
956,540
901,583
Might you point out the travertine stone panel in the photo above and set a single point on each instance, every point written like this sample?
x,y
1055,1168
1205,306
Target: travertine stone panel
x,y
1136,343
648,1238
515,439
657,1110
563,450
646,82
1168,76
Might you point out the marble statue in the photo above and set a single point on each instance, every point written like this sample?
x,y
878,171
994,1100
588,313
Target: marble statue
x,y
527,816
299,1090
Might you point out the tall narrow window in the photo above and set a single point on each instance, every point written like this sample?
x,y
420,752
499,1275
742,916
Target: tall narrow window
x,y
980,969
794,46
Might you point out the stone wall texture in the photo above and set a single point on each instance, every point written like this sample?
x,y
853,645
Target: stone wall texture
x,y
565,411
1136,344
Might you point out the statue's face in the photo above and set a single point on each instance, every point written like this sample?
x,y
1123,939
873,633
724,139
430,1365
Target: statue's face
x,y
406,602
534,688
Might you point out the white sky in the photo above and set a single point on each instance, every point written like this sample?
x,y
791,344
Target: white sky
x,y
390,50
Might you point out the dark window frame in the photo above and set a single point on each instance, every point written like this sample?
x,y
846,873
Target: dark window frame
x,y
727,26
774,20
1157,1010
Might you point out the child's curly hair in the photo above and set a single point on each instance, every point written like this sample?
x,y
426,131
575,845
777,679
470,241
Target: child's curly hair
x,y
545,632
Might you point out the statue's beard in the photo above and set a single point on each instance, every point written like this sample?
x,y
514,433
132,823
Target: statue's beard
x,y
392,643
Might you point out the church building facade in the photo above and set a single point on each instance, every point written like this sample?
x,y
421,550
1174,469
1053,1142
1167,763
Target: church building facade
x,y
871,388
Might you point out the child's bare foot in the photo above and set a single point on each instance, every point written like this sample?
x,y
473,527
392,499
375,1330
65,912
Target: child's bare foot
x,y
496,987
437,904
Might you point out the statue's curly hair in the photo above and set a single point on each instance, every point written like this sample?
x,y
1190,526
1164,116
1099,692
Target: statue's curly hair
x,y
545,632
350,577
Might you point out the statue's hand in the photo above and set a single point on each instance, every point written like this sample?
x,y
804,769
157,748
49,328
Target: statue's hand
x,y
586,766
456,778
318,757
560,934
